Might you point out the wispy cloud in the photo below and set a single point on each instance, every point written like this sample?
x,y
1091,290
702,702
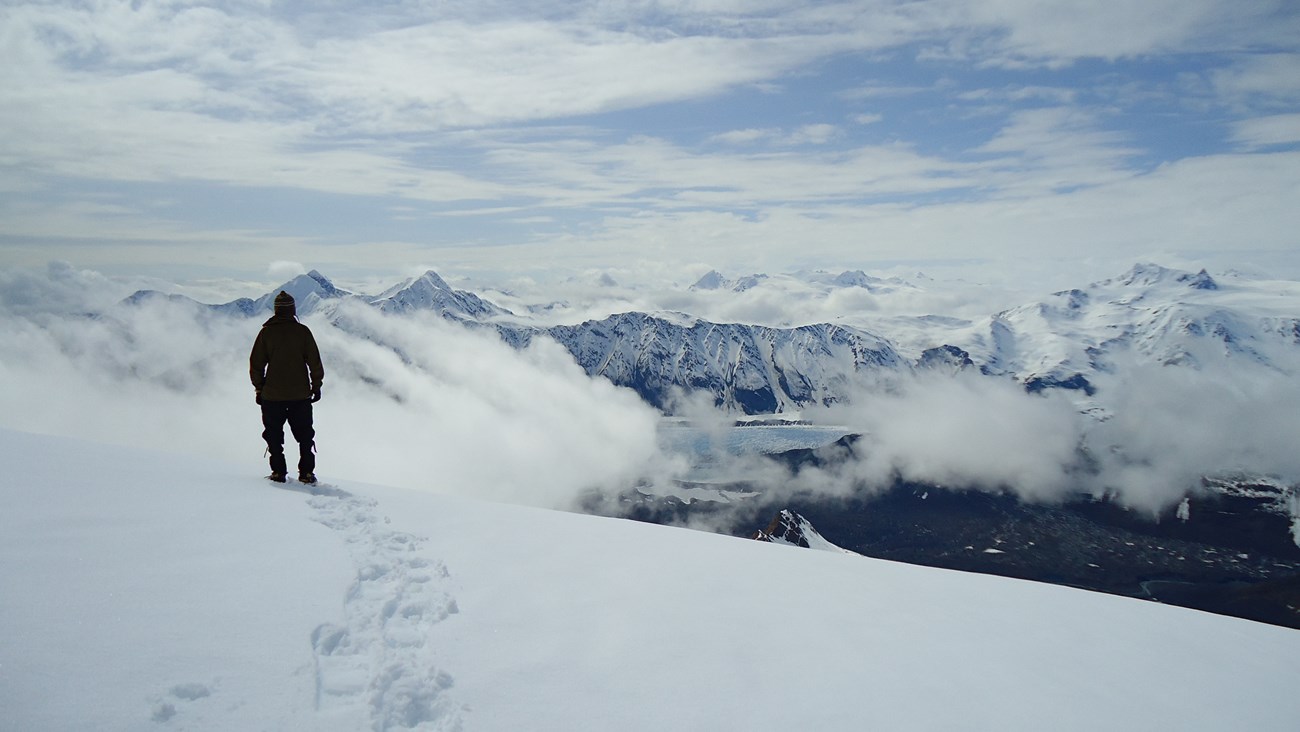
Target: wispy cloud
x,y
563,125
414,402
1277,129
1025,33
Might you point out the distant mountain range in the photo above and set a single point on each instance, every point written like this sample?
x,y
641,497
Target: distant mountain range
x,y
1150,313
1158,315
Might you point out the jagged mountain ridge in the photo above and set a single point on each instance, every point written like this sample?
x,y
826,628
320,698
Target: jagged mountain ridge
x,y
751,369
791,528
431,292
314,293
714,280
1150,313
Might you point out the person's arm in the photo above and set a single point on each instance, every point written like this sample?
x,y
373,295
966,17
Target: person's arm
x,y
257,360
314,366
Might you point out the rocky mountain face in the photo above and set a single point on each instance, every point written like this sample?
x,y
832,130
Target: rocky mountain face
x,y
788,527
747,369
1150,314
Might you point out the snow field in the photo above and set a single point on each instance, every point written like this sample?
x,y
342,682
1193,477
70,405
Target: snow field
x,y
169,593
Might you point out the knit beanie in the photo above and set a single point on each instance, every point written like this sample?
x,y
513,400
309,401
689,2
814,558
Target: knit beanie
x,y
284,304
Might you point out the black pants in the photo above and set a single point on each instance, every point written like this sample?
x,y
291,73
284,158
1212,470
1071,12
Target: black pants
x,y
298,414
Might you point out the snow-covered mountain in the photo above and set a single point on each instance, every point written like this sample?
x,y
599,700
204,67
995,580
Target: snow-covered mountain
x,y
176,593
749,369
716,281
746,368
1150,314
788,527
314,293
858,278
429,292
243,307
713,280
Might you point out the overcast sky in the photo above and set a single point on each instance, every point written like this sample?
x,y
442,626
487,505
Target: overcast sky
x,y
483,137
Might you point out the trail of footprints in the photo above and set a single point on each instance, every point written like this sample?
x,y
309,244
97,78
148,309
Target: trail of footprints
x,y
380,655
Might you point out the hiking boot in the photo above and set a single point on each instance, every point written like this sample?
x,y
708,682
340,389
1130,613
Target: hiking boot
x,y
307,478
276,477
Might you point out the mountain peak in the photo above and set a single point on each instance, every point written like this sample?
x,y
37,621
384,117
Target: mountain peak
x,y
711,281
307,291
788,527
715,281
748,282
854,278
1144,273
429,291
1200,281
434,280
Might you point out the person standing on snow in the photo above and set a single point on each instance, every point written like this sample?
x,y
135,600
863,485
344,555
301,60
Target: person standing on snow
x,y
286,370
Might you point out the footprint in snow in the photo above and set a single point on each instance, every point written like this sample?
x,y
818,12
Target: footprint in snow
x,y
164,707
380,657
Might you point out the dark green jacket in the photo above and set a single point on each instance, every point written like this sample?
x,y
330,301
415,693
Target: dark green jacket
x,y
285,363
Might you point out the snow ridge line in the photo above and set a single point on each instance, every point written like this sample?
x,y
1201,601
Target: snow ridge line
x,y
380,659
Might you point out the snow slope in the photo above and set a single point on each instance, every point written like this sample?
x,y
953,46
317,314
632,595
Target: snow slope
x,y
166,593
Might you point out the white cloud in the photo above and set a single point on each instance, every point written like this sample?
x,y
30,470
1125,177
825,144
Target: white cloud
x,y
815,134
282,270
1271,76
435,111
1056,34
811,134
458,412
1017,94
1057,148
743,137
1173,425
1166,428
1277,129
965,431
1214,204
59,288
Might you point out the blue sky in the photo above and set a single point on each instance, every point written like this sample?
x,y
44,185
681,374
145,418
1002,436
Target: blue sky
x,y
192,141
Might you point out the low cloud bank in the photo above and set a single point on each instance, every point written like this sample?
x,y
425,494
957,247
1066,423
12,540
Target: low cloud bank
x,y
1151,434
1169,426
963,431
419,402
414,401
